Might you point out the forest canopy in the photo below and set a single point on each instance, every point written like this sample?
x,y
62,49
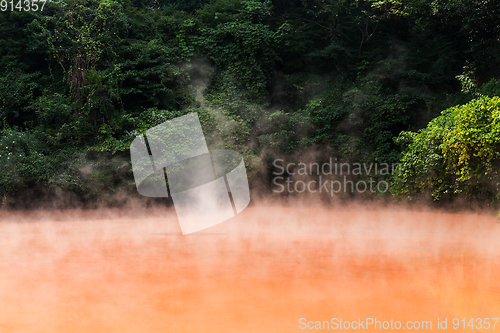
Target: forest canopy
x,y
393,81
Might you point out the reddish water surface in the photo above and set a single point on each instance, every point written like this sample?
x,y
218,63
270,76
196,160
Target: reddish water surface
x,y
262,271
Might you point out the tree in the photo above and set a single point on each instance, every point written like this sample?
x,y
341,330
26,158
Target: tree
x,y
239,42
457,153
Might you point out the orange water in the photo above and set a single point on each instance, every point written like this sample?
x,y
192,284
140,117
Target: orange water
x,y
262,271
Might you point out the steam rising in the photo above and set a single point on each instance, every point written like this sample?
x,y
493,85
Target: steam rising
x,y
131,270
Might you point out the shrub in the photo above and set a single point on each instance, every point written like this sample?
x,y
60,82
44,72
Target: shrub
x,y
457,153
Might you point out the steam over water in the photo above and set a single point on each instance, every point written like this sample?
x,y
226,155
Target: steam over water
x,y
262,271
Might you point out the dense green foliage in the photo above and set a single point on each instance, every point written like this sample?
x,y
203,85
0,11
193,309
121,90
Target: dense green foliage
x,y
456,154
268,78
